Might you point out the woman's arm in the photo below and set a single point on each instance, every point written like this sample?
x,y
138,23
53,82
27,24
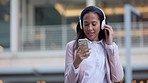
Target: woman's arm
x,y
115,65
71,74
113,55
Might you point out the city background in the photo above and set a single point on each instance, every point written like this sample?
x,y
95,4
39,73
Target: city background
x,y
33,35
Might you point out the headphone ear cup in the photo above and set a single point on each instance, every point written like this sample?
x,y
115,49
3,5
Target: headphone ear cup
x,y
80,24
102,25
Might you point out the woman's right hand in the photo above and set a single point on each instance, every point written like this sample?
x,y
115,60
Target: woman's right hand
x,y
81,54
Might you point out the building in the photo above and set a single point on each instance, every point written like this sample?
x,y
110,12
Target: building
x,y
34,33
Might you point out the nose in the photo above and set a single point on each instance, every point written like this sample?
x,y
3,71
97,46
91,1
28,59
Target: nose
x,y
90,27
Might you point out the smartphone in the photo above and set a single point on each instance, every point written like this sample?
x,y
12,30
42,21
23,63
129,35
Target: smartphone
x,y
83,42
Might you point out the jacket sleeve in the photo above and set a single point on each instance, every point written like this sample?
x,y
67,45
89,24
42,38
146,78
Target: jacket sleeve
x,y
116,69
71,74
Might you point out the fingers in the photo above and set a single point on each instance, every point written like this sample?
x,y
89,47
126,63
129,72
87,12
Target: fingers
x,y
108,29
108,34
83,53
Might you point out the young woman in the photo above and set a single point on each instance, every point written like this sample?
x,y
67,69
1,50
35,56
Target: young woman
x,y
100,62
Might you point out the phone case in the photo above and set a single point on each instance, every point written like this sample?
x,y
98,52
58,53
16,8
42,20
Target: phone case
x,y
84,42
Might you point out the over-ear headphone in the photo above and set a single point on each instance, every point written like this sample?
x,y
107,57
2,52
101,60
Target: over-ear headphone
x,y
103,21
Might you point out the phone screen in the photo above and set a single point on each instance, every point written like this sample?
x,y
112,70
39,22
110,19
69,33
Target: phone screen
x,y
83,42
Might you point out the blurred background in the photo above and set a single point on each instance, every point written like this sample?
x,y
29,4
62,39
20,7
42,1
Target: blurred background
x,y
33,35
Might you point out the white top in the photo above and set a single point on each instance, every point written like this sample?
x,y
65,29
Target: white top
x,y
94,65
91,69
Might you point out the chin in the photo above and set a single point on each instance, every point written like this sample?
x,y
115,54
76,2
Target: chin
x,y
91,39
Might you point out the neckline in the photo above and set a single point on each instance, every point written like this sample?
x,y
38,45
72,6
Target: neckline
x,y
100,41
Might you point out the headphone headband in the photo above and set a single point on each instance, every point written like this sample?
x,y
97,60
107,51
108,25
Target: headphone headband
x,y
92,9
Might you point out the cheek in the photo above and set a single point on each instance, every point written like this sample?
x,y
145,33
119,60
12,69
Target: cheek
x,y
85,31
98,28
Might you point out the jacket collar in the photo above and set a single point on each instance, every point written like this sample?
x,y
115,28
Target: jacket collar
x,y
98,42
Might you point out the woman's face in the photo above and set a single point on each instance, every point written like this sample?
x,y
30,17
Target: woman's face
x,y
91,26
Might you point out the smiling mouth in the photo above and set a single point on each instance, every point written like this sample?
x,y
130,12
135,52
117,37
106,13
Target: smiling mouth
x,y
90,33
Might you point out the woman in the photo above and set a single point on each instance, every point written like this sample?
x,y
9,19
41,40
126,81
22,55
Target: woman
x,y
102,65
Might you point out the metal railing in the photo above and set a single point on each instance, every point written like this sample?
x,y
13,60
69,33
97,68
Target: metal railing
x,y
55,37
45,38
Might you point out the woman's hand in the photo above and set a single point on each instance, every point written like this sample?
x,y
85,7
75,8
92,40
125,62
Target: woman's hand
x,y
108,34
81,54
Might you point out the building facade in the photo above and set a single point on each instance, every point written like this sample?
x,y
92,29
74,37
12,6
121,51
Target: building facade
x,y
34,33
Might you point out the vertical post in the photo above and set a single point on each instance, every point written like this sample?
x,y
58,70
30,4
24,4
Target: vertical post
x,y
127,25
24,13
14,24
141,35
119,37
90,2
64,32
24,23
43,41
30,21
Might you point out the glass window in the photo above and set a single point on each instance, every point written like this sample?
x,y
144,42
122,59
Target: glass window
x,y
47,15
5,23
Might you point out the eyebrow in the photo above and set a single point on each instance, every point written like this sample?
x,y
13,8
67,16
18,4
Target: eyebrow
x,y
91,21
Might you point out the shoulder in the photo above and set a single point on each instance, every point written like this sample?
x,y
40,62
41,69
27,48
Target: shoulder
x,y
71,43
113,44
69,47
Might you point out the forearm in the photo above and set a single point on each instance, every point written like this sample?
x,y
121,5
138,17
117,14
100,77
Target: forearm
x,y
71,75
116,71
114,61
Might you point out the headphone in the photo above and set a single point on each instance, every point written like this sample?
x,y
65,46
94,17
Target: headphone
x,y
103,21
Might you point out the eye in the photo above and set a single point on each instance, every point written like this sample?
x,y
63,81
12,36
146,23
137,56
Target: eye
x,y
94,23
86,24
